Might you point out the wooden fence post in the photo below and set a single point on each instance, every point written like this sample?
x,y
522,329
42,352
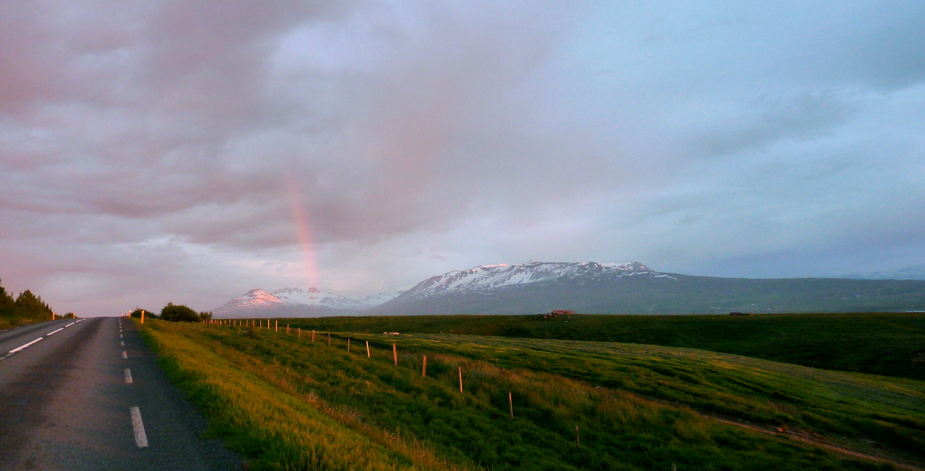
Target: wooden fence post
x,y
367,349
287,329
577,438
313,336
300,332
348,345
329,338
460,379
395,353
424,368
276,326
510,400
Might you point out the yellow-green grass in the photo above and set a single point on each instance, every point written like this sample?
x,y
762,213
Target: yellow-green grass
x,y
262,413
287,403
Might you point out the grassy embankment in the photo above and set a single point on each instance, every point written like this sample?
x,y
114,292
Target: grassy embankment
x,y
288,403
10,322
891,344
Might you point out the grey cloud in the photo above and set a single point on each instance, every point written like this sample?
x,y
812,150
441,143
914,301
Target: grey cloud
x,y
186,140
800,116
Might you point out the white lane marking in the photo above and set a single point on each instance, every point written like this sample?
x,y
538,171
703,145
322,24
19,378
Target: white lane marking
x,y
140,438
54,332
128,376
124,355
23,347
120,336
72,323
122,343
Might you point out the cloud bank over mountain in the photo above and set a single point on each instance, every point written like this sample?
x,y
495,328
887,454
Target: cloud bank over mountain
x,y
166,151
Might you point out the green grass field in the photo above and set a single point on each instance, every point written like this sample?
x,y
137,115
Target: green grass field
x,y
289,403
891,344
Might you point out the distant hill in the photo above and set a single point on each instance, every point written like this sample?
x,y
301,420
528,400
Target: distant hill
x,y
297,302
633,288
915,272
590,288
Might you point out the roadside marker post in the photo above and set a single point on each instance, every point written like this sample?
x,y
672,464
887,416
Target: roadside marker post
x,y
142,316
424,368
460,379
367,349
395,353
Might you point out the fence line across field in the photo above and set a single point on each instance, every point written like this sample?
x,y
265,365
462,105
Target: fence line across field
x,y
259,324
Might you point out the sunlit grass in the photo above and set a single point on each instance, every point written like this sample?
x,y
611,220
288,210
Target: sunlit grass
x,y
288,403
257,408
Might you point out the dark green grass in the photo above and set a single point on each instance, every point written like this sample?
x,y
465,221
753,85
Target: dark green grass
x,y
891,344
634,405
888,411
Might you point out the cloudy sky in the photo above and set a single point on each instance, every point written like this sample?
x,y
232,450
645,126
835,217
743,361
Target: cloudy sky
x,y
155,151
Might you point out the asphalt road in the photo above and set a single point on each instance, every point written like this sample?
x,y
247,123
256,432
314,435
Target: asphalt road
x,y
88,395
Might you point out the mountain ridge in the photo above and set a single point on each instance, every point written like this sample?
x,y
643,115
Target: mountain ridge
x,y
590,288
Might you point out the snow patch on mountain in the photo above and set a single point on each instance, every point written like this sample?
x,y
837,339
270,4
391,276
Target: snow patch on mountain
x,y
486,278
258,299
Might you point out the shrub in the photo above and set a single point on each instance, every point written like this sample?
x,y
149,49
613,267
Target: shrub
x,y
148,313
178,313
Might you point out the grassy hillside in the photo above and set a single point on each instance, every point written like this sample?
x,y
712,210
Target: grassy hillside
x,y
891,344
289,403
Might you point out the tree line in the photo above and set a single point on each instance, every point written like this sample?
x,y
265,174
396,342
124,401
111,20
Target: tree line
x,y
25,306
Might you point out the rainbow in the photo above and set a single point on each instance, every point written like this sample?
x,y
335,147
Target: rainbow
x,y
303,230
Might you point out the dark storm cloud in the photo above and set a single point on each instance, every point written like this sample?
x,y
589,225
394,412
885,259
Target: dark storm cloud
x,y
205,145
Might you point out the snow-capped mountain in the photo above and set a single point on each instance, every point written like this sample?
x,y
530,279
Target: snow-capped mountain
x,y
290,302
590,288
531,287
487,278
633,288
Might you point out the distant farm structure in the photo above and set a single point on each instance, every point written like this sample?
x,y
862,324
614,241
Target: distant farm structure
x,y
557,313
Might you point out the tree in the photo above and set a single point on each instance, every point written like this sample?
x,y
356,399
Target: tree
x,y
178,313
30,305
205,316
7,305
